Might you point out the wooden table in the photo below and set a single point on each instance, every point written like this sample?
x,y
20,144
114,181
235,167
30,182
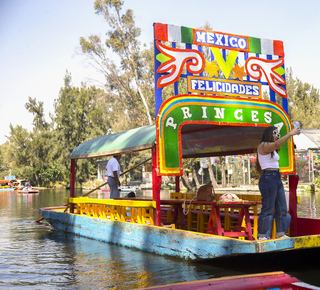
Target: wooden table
x,y
214,224
178,214
239,230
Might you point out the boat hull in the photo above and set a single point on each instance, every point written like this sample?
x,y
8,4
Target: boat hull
x,y
27,191
272,280
122,189
166,241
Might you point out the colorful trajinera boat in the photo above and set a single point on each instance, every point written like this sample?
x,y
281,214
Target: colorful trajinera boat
x,y
222,114
26,188
6,185
19,183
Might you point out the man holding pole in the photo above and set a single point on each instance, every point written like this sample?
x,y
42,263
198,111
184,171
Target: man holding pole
x,y
113,171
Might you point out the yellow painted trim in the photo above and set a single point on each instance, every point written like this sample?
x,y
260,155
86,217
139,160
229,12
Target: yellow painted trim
x,y
131,203
307,242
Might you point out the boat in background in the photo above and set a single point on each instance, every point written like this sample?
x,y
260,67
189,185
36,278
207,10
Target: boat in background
x,y
19,183
6,185
273,280
27,189
124,189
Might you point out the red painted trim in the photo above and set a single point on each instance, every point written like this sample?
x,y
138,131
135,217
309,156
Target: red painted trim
x,y
161,31
254,281
278,48
307,227
156,187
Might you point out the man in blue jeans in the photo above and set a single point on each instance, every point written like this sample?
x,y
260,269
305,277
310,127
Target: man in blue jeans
x,y
288,220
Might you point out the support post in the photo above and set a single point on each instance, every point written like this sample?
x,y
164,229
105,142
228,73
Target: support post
x,y
249,173
72,180
177,183
156,187
293,183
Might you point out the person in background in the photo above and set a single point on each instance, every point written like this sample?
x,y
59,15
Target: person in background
x,y
113,171
270,185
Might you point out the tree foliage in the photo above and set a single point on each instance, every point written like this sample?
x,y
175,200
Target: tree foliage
x,y
126,101
129,83
304,102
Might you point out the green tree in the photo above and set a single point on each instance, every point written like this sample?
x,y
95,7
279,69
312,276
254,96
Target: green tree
x,y
80,115
6,160
304,102
37,110
19,152
129,83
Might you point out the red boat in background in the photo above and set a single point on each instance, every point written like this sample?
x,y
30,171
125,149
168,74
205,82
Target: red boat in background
x,y
272,280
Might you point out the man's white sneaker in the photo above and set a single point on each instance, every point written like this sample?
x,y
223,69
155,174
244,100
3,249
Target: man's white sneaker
x,y
283,237
262,239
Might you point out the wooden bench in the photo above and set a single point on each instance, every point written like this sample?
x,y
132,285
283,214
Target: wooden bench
x,y
134,211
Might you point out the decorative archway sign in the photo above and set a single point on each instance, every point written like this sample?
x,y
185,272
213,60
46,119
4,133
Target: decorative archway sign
x,y
193,109
226,75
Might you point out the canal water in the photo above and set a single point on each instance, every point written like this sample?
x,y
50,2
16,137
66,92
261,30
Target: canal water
x,y
34,256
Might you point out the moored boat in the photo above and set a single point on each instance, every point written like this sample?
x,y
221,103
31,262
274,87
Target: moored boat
x,y
6,185
31,191
27,188
19,183
124,189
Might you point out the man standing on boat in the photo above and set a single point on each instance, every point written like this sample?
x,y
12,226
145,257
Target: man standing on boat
x,y
113,171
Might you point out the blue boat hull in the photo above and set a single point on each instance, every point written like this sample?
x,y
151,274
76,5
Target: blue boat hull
x,y
164,241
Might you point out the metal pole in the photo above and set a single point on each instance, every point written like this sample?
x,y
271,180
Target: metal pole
x,y
244,174
249,174
312,167
309,169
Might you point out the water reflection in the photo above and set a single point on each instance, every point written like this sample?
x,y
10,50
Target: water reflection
x,y
308,205
33,256
109,266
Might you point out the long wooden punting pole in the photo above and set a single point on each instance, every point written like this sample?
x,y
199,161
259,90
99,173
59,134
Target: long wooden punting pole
x,y
156,187
134,167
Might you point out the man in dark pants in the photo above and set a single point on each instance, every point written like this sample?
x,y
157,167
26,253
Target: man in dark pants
x,y
113,171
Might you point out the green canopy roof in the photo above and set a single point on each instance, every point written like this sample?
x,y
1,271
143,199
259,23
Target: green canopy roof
x,y
124,142
197,140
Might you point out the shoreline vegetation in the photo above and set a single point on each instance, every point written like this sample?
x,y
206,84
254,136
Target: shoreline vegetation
x,y
148,186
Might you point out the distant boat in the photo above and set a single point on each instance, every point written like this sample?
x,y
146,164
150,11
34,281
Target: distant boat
x,y
122,189
19,183
31,191
6,185
27,188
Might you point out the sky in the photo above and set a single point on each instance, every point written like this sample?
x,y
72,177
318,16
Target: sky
x,y
39,41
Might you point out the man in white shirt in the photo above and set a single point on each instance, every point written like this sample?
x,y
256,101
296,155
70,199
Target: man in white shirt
x,y
113,171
